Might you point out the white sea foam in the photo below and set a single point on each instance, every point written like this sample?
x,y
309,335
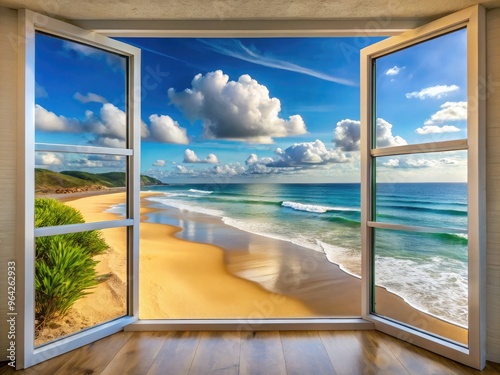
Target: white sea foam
x,y
438,287
118,209
315,208
186,206
348,260
427,286
181,195
200,191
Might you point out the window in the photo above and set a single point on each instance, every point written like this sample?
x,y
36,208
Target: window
x,y
422,206
64,244
380,222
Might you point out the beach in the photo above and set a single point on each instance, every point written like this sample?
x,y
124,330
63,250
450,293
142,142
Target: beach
x,y
194,266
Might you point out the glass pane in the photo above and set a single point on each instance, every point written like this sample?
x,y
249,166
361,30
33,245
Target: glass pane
x,y
423,189
421,92
80,281
68,178
80,94
421,280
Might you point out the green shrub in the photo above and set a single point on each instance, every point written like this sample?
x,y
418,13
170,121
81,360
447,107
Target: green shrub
x,y
64,264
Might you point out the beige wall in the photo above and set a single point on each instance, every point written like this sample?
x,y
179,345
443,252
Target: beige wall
x,y
8,118
8,108
493,184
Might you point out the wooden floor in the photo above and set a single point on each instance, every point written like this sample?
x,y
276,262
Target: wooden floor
x,y
253,353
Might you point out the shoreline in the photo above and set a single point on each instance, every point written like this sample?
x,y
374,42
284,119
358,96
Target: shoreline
x,y
342,285
283,279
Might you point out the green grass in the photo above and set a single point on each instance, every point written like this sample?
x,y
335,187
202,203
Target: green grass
x,y
64,264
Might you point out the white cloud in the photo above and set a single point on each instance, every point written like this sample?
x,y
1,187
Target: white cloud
x,y
450,111
393,163
237,110
85,163
90,98
297,158
159,163
82,48
164,129
252,159
48,158
72,161
112,60
236,49
385,137
40,91
346,135
109,127
191,157
406,162
434,92
306,154
50,122
145,133
434,129
309,153
227,170
79,162
410,163
394,71
183,170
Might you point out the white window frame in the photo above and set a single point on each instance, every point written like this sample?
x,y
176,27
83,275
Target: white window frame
x,y
473,19
382,26
29,23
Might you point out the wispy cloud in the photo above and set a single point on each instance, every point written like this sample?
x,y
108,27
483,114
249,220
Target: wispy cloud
x,y
234,48
434,92
394,71
90,98
434,129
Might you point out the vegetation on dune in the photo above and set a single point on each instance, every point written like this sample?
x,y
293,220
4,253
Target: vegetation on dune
x,y
64,264
47,181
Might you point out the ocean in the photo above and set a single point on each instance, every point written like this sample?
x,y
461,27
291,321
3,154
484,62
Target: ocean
x,y
428,270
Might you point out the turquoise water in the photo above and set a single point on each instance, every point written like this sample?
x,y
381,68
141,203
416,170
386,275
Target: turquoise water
x,y
429,270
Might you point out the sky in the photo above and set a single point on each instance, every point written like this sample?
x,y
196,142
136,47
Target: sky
x,y
253,110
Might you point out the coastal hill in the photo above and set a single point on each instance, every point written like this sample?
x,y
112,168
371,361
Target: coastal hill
x,y
47,182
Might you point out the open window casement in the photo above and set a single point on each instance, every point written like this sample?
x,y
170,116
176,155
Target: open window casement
x,y
126,153
470,23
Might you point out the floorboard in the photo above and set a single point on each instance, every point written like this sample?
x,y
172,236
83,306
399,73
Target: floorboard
x,y
305,353
137,354
250,353
217,353
261,353
176,355
350,354
416,360
93,358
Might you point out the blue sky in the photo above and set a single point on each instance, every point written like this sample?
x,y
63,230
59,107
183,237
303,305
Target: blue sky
x,y
256,110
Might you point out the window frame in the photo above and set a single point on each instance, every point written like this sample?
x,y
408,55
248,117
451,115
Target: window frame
x,y
29,22
383,26
473,19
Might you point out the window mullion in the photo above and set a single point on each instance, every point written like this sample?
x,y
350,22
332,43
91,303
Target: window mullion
x,y
421,148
